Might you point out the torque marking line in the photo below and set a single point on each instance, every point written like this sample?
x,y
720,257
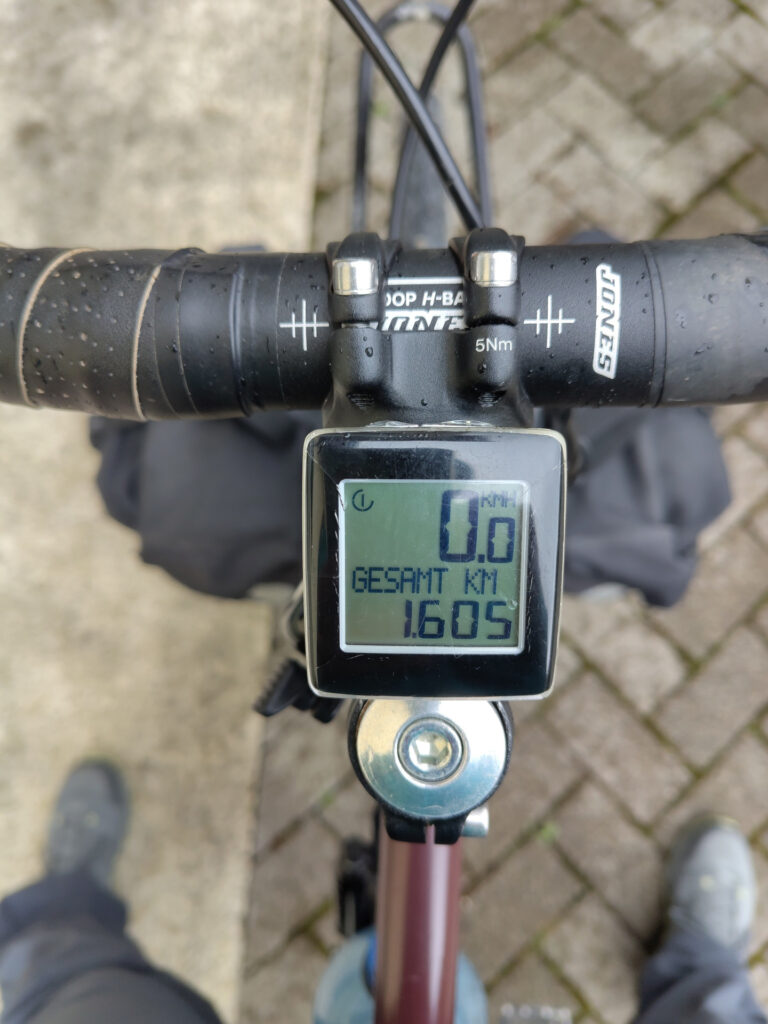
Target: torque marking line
x,y
314,323
549,322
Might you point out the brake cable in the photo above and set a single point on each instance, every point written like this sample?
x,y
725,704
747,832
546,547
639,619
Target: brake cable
x,y
415,107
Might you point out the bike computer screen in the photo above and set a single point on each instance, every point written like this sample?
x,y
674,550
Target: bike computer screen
x,y
432,564
433,561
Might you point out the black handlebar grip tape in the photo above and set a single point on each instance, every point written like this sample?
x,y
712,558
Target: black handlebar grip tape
x,y
162,335
210,332
21,272
80,337
715,299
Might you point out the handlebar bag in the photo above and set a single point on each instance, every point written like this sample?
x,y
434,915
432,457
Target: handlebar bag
x,y
217,504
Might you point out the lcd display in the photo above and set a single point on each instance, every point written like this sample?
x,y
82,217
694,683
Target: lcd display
x,y
434,565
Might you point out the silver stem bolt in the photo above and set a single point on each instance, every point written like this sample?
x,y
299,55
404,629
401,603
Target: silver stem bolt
x,y
430,750
495,268
359,276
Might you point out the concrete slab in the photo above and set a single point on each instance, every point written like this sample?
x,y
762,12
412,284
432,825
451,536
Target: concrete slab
x,y
166,125
179,123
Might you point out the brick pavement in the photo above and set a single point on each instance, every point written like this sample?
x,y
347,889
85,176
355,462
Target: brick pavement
x,y
648,118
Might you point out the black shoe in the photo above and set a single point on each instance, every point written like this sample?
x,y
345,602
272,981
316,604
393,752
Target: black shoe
x,y
89,822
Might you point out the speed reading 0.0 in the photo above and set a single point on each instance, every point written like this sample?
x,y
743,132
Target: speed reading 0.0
x,y
432,565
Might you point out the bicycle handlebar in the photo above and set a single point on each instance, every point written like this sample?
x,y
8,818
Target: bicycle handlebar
x,y
157,335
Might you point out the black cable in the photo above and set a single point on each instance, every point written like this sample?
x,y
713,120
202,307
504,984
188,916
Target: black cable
x,y
414,106
453,26
401,13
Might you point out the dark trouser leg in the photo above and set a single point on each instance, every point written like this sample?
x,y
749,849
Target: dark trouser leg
x,y
693,980
65,959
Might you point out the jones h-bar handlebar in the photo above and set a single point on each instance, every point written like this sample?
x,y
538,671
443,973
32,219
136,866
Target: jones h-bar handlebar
x,y
157,335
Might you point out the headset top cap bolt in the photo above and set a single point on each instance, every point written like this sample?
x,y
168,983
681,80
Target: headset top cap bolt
x,y
430,749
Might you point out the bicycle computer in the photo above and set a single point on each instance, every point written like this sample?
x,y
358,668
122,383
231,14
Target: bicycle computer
x,y
433,561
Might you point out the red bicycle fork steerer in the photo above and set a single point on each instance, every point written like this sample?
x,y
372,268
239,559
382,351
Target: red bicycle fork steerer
x,y
417,930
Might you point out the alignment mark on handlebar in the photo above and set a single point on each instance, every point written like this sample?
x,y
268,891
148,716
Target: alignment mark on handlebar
x,y
301,325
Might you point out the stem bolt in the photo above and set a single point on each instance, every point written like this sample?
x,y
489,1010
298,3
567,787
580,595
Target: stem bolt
x,y
493,268
430,750
355,276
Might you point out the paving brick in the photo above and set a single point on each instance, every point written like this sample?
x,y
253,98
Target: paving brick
x,y
748,479
569,664
736,570
528,892
716,214
715,13
690,89
641,663
759,978
729,417
586,107
540,772
286,887
530,983
607,54
760,9
325,929
623,13
693,164
642,773
761,623
751,181
587,621
755,428
350,812
535,212
600,957
758,528
622,863
677,32
302,762
602,196
501,27
734,787
744,42
728,692
333,215
523,149
528,80
284,990
748,113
